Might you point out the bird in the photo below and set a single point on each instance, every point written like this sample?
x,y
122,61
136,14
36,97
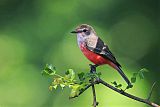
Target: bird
x,y
96,50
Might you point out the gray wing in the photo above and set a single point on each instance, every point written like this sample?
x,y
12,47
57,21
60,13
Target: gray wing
x,y
103,50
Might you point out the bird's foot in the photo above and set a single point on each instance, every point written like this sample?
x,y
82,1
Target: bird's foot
x,y
93,68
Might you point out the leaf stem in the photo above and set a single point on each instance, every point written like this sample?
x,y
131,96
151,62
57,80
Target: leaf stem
x,y
58,75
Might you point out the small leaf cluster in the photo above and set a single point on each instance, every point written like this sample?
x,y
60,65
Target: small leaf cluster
x,y
116,84
139,74
68,79
84,77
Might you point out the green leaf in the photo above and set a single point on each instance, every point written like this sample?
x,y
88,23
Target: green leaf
x,y
55,86
141,75
114,83
99,74
70,74
144,70
129,86
62,86
135,74
57,81
69,86
91,75
75,90
133,79
119,85
81,76
50,88
49,70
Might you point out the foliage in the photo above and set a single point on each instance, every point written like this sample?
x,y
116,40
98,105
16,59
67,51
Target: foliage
x,y
69,79
77,85
116,84
139,74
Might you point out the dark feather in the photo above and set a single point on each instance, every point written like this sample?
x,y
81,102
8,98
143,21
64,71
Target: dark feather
x,y
103,50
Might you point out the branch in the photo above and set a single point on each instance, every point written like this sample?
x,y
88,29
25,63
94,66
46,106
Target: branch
x,y
93,70
100,81
95,79
146,101
95,103
120,91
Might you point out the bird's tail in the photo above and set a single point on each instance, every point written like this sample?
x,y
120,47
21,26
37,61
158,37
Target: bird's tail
x,y
124,76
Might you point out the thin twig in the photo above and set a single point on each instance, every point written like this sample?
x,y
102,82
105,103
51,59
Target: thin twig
x,y
93,70
95,103
150,94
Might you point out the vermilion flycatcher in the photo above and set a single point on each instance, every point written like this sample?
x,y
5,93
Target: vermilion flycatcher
x,y
96,50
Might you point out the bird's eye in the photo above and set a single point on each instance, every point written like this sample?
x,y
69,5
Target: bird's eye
x,y
84,30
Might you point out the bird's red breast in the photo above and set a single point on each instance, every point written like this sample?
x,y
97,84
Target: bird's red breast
x,y
95,58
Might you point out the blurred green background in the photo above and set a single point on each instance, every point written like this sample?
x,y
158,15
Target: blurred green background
x,y
36,32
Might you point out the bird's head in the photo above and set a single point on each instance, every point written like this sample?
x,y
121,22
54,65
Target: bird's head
x,y
84,30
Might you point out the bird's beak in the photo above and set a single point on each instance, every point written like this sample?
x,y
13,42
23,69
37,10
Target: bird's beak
x,y
74,32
